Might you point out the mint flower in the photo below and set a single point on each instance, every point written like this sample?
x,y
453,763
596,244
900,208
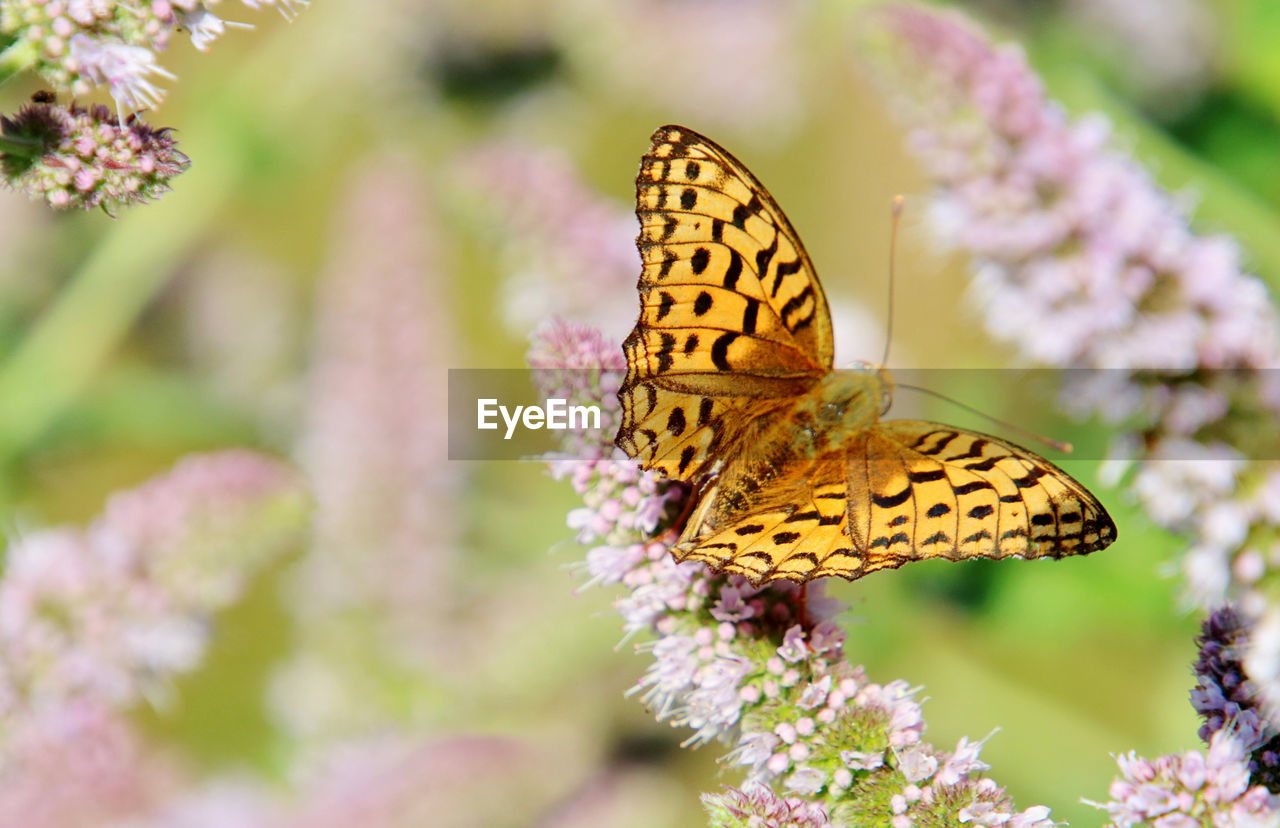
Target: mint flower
x,y
76,45
1081,261
108,614
756,806
569,251
1225,696
384,538
125,70
731,663
73,157
1191,789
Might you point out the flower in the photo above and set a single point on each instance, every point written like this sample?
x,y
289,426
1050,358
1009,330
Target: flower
x,y
125,70
1081,261
80,44
105,615
756,806
1190,789
373,441
72,157
570,251
1226,698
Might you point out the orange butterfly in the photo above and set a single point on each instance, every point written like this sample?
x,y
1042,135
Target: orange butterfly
x,y
730,386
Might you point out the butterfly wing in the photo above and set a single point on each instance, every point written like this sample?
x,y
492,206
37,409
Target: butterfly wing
x,y
902,491
796,527
923,490
731,312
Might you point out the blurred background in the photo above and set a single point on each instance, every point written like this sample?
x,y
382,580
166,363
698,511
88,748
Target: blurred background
x,y
378,196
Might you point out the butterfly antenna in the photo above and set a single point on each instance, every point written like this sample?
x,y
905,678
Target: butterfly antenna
x,y
893,250
1065,448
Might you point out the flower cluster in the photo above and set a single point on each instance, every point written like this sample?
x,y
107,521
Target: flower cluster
x,y
758,805
1190,789
71,156
82,157
371,442
1227,698
754,65
108,614
734,663
570,249
79,44
1082,261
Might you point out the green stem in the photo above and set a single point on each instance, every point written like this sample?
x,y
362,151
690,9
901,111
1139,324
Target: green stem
x,y
95,310
20,55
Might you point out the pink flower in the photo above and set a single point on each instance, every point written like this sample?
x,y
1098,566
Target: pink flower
x,y
108,614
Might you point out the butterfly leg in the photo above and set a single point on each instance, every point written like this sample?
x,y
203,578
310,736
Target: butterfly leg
x,y
696,511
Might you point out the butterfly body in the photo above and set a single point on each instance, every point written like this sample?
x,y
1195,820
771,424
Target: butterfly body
x,y
730,387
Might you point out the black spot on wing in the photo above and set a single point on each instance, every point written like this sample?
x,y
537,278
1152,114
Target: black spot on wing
x,y
664,352
762,262
704,411
938,510
886,542
675,421
720,350
975,450
733,271
749,315
944,438
699,260
1032,476
893,500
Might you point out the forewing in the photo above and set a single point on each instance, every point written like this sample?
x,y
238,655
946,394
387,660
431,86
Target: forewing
x,y
731,311
924,490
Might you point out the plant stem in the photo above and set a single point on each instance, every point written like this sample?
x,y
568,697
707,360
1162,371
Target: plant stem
x,y
20,55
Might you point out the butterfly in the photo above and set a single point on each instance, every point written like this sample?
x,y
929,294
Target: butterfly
x,y
730,388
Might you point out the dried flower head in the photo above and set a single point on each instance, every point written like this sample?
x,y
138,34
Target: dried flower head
x,y
76,157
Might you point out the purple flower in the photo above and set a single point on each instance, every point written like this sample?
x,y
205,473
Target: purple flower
x,y
79,44
572,252
756,806
1226,698
373,441
1192,789
1081,261
106,615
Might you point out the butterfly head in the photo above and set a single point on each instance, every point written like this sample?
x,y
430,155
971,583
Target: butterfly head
x,y
845,402
878,382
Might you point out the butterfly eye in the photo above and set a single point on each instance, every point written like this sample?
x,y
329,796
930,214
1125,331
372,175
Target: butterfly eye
x,y
886,390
